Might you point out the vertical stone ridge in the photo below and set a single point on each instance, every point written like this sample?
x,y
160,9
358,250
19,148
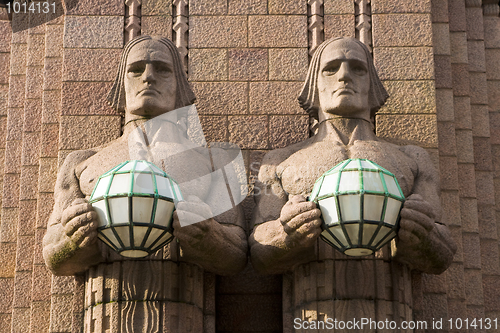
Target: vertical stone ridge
x,y
141,293
9,233
460,61
491,23
483,165
50,111
364,22
448,300
315,27
491,9
132,19
180,29
472,3
28,196
144,296
7,250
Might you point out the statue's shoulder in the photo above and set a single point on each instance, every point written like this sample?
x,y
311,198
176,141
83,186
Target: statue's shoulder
x,y
76,157
419,155
413,150
424,163
275,157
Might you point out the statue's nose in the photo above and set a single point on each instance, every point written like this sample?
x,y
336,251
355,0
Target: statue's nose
x,y
344,73
148,75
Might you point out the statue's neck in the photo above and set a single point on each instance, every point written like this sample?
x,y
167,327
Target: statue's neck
x,y
346,130
163,131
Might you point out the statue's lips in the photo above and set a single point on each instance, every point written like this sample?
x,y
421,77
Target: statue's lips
x,y
345,91
148,91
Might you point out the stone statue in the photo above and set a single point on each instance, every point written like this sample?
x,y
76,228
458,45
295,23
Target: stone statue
x,y
150,82
343,92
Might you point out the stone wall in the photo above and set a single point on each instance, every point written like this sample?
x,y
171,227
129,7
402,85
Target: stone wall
x,y
246,60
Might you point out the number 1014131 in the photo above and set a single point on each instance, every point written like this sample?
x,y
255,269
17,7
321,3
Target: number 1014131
x,y
39,7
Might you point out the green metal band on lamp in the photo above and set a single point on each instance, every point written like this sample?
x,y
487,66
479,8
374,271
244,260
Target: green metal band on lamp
x,y
360,203
134,202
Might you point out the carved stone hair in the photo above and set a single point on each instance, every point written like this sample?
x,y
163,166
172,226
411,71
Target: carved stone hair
x,y
184,95
308,98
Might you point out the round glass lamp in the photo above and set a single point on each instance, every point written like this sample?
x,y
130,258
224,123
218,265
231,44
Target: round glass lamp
x,y
360,203
134,202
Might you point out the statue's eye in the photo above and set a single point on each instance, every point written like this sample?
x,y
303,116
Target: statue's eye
x,y
136,69
163,69
359,68
331,69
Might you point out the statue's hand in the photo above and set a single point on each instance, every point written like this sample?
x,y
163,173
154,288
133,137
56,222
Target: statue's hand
x,y
79,222
196,216
301,221
417,221
422,243
219,248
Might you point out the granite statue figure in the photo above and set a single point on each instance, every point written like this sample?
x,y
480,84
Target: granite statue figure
x,y
150,82
343,91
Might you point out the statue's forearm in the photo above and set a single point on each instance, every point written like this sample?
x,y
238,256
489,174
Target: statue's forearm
x,y
270,252
222,250
433,255
64,257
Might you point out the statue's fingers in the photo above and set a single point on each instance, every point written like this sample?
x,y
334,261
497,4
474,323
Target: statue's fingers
x,y
413,227
408,238
75,210
79,221
83,232
303,218
187,218
293,210
89,239
190,234
415,196
421,206
197,207
420,218
308,232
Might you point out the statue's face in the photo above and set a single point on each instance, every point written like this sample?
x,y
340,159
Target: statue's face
x,y
150,83
343,80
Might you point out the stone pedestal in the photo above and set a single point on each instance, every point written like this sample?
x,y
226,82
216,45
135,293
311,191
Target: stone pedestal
x,y
146,296
345,288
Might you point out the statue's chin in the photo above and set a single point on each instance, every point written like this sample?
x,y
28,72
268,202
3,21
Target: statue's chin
x,y
148,110
347,111
348,106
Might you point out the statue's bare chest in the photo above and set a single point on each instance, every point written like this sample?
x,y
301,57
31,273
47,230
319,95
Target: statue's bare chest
x,y
188,172
300,171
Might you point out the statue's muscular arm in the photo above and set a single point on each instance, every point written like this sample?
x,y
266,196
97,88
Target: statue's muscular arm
x,y
423,242
217,244
69,246
285,228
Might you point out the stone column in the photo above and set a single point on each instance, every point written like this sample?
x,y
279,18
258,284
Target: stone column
x,y
148,296
343,288
491,21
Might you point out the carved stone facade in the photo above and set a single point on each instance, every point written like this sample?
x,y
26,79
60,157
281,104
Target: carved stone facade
x,y
246,60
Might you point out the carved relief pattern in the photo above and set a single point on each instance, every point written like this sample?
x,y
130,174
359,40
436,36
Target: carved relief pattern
x,y
144,297
180,28
491,9
472,3
316,27
383,291
132,19
363,22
